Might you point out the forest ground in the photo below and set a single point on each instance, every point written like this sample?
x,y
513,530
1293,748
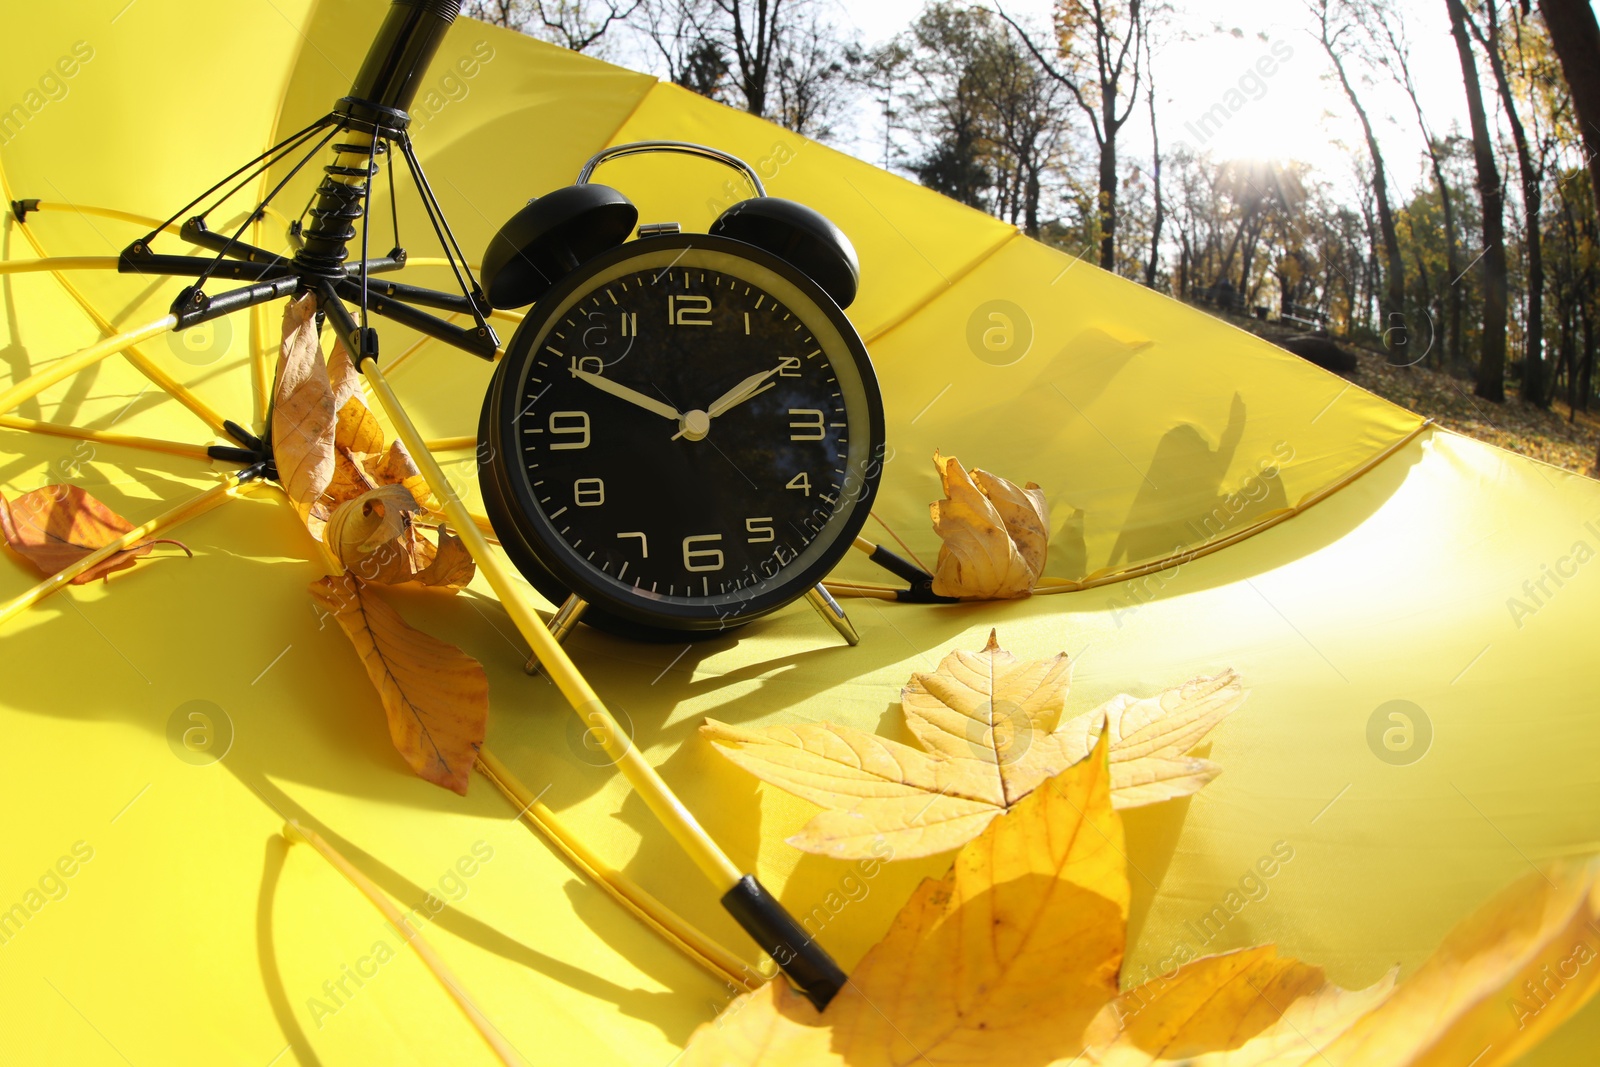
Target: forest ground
x,y
1515,425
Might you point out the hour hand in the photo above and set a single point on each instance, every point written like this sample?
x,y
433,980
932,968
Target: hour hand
x,y
632,396
741,392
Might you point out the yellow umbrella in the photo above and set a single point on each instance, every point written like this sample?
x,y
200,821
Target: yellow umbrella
x,y
1214,503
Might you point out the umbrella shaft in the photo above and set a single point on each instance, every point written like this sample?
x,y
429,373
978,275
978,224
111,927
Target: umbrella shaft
x,y
401,51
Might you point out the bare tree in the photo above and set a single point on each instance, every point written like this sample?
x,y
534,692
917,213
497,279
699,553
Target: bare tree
x,y
1533,388
811,79
1492,346
1394,54
580,25
1096,76
773,58
1153,264
1334,31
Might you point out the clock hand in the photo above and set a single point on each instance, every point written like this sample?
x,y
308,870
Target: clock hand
x,y
741,392
632,396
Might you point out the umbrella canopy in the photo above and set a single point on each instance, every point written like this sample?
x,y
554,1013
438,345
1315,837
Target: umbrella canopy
x,y
1214,503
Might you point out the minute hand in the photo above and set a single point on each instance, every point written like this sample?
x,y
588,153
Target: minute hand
x,y
741,392
632,396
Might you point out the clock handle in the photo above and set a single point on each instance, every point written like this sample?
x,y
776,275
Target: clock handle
x,y
822,600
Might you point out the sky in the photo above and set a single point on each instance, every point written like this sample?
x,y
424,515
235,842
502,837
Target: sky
x,y
1202,52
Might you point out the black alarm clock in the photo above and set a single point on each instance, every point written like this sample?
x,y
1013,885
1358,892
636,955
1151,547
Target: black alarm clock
x,y
685,432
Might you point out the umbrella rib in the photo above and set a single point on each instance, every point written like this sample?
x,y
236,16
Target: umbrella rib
x,y
229,488
171,386
497,1041
121,440
668,924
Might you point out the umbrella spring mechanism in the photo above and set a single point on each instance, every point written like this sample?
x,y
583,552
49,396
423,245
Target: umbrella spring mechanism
x,y
338,204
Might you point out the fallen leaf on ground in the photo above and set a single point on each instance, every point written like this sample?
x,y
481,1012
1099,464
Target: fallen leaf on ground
x,y
303,416
436,697
1008,960
1011,960
991,731
54,527
995,536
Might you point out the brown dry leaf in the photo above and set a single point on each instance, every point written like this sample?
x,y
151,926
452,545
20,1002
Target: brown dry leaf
x,y
377,539
303,415
394,466
345,380
995,536
54,527
991,728
1008,960
436,696
1251,1008
452,566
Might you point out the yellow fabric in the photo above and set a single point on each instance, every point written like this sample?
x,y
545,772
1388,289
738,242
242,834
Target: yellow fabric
x,y
195,935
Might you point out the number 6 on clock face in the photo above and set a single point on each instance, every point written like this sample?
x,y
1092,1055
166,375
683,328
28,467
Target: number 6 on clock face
x,y
746,433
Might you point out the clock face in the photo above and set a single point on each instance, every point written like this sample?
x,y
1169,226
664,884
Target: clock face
x,y
688,436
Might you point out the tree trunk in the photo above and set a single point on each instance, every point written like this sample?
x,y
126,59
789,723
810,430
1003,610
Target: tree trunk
x,y
1576,39
1396,337
1533,368
1492,351
1108,199
1154,264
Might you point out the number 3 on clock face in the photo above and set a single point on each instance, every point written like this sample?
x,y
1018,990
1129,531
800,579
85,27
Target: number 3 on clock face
x,y
688,470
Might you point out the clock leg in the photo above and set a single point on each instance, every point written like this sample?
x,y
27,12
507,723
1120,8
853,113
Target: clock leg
x,y
830,610
560,625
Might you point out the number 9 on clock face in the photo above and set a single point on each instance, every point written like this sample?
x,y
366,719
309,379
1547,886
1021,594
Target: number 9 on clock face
x,y
685,432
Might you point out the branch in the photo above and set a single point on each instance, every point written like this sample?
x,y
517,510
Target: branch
x,y
1049,68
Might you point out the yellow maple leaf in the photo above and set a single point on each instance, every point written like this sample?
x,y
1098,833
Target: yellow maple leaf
x,y
1011,960
1007,960
995,536
992,729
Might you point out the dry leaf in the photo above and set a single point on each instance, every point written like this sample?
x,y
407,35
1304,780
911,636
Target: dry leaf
x,y
375,537
991,729
1251,1008
395,466
995,536
378,539
452,565
436,696
303,415
1501,981
345,381
56,526
1008,960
